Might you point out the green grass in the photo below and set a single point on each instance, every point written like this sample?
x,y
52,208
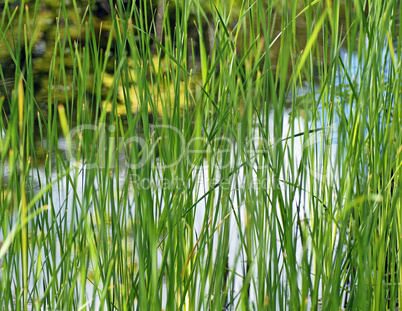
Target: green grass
x,y
164,172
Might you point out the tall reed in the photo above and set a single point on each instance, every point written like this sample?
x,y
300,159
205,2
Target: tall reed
x,y
252,166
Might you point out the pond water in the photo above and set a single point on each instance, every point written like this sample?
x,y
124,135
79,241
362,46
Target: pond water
x,y
65,198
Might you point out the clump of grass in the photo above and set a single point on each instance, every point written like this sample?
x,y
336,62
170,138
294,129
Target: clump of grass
x,y
187,176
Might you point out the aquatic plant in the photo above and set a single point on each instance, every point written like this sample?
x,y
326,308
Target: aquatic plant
x,y
165,170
